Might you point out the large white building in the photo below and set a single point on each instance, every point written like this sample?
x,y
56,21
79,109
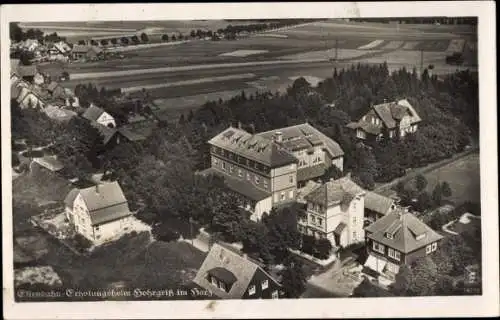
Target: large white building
x,y
335,211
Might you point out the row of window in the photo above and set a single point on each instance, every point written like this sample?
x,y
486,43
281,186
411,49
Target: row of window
x,y
380,248
316,221
303,163
242,160
374,120
231,168
264,285
431,248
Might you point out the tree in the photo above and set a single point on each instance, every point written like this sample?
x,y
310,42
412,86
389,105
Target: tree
x,y
114,41
424,278
229,219
192,34
446,189
124,40
135,39
173,37
293,277
15,32
437,195
424,201
401,285
79,146
255,241
324,248
420,182
144,37
164,37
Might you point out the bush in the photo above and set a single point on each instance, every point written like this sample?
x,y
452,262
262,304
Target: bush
x,y
163,233
82,243
324,247
318,248
308,244
15,160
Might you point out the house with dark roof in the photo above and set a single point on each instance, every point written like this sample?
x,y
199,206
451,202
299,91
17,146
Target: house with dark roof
x,y
378,206
335,211
228,274
56,90
96,114
387,120
264,167
99,213
314,151
396,239
258,169
85,52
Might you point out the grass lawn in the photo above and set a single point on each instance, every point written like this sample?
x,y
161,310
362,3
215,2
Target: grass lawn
x,y
463,177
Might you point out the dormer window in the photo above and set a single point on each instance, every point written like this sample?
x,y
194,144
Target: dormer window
x,y
389,235
420,236
265,284
251,290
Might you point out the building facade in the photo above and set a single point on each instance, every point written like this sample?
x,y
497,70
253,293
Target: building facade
x,y
228,274
396,239
264,168
99,213
98,115
387,120
335,211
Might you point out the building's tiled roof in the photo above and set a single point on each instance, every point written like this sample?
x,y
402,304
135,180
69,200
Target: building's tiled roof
x,y
405,228
333,192
105,202
254,147
106,132
239,185
138,131
52,85
228,264
392,112
14,65
92,113
340,228
378,203
27,71
50,162
307,189
312,172
304,136
365,126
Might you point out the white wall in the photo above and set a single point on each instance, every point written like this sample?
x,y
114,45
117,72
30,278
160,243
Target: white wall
x,y
112,229
81,218
106,119
264,205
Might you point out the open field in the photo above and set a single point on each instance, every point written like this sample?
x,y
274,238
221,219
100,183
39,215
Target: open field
x,y
463,177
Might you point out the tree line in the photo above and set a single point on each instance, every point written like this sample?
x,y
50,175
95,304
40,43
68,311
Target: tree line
x,y
16,34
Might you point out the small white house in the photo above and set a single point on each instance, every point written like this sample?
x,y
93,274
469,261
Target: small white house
x,y
99,213
100,116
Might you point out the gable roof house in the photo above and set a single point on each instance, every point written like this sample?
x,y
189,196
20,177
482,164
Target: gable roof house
x,y
377,206
387,120
228,274
315,151
335,211
56,90
396,239
96,114
99,213
83,51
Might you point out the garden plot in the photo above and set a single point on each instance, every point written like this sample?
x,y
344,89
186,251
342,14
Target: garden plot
x,y
342,54
410,45
371,45
272,35
405,57
393,45
242,53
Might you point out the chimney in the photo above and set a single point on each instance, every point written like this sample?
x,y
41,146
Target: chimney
x,y
278,136
239,124
97,188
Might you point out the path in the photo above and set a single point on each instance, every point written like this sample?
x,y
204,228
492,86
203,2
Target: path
x,y
415,172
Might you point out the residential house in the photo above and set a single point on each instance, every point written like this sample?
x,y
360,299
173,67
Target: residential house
x,y
263,167
396,239
387,120
85,52
257,168
32,97
229,274
378,206
59,51
99,213
335,211
313,149
100,116
109,135
56,90
27,73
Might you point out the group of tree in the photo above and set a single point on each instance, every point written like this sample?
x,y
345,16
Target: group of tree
x,y
17,34
415,194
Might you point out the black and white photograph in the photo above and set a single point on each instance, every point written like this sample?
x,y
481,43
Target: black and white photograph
x,y
325,158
